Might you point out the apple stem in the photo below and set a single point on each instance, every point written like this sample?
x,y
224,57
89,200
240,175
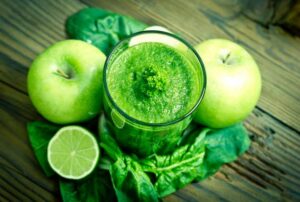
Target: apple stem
x,y
62,73
224,60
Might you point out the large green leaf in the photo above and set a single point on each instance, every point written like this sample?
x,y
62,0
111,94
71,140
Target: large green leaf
x,y
223,146
201,154
107,142
101,28
178,169
40,134
130,182
96,187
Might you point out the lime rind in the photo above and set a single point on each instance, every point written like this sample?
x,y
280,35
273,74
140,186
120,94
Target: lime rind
x,y
84,158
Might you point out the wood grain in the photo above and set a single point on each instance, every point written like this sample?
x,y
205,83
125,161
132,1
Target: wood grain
x,y
20,175
269,171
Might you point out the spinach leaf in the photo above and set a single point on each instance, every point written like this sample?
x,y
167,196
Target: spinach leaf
x,y
101,28
223,146
95,188
180,168
107,142
40,134
130,182
201,154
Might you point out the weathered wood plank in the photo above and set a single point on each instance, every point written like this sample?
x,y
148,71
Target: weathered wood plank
x,y
38,26
276,54
26,34
21,176
11,70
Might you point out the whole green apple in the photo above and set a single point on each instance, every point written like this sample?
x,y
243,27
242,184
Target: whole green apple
x,y
233,83
65,82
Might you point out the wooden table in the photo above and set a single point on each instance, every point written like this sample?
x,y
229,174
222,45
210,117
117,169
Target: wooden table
x,y
269,171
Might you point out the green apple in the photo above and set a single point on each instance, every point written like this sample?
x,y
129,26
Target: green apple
x,y
157,37
158,28
65,82
151,37
233,83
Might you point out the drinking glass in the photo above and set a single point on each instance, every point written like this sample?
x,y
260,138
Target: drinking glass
x,y
145,138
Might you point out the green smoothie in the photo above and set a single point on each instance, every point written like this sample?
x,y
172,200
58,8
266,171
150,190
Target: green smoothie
x,y
153,82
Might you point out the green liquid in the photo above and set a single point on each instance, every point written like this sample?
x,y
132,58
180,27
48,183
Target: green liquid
x,y
153,83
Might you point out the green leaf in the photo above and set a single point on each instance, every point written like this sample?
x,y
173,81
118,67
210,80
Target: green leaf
x,y
107,142
130,182
95,188
40,134
201,154
223,146
180,168
101,28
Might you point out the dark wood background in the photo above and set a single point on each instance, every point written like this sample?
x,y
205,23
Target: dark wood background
x,y
269,171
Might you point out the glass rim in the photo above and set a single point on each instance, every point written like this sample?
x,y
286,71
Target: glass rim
x,y
119,110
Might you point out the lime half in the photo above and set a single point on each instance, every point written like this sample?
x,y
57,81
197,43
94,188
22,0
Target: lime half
x,y
73,152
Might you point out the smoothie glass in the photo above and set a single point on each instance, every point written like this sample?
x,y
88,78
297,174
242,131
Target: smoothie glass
x,y
141,137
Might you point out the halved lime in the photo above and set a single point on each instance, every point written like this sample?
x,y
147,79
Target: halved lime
x,y
73,152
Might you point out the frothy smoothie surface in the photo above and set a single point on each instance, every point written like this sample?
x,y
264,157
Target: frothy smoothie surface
x,y
153,83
